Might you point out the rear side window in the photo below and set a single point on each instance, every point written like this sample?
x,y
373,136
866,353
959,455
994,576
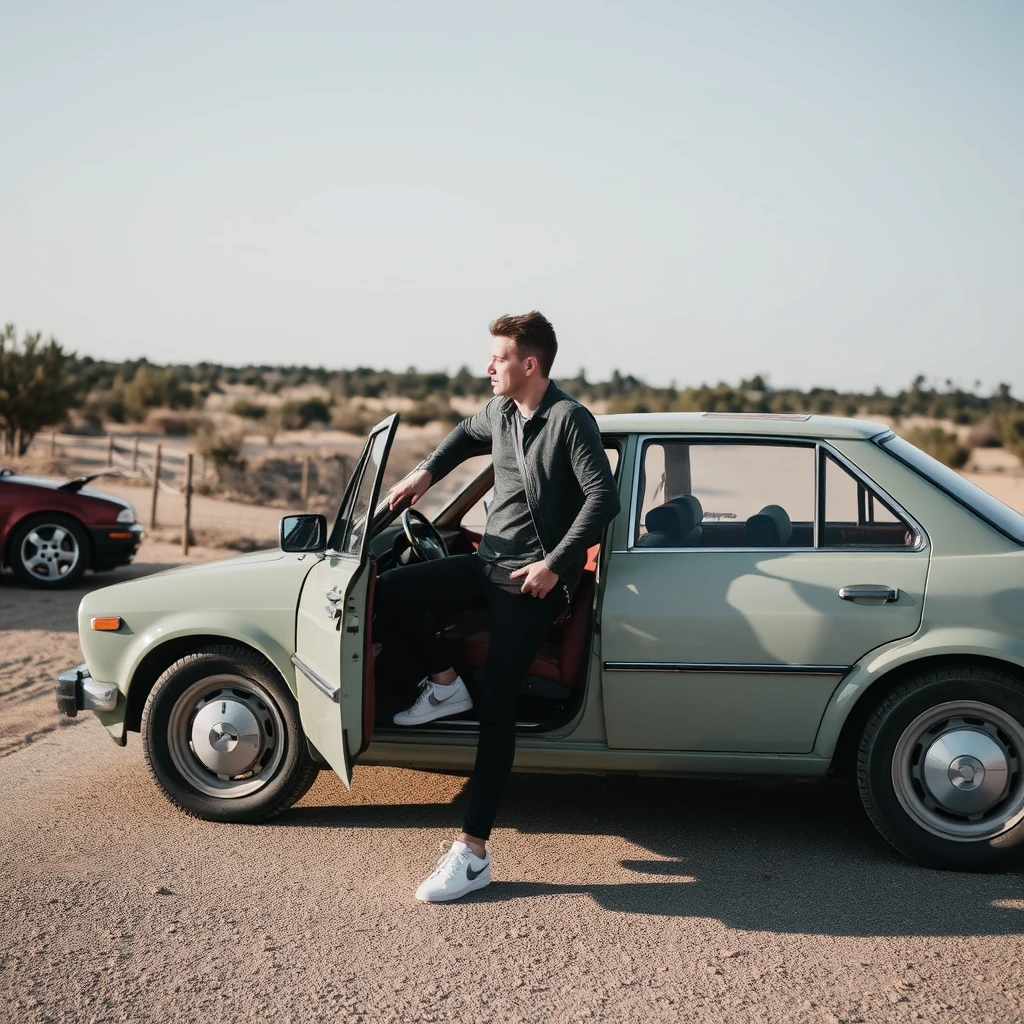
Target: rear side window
x,y
856,517
986,507
708,494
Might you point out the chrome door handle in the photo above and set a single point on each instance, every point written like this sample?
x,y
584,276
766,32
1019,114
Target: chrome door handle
x,y
869,590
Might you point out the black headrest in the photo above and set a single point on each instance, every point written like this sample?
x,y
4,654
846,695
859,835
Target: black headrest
x,y
770,528
662,519
691,513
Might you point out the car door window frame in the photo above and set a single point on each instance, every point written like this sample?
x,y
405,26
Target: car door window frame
x,y
821,450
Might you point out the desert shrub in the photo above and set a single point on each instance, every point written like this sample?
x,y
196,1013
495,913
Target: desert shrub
x,y
176,424
248,410
221,449
297,415
86,422
1011,428
354,418
151,388
430,410
984,435
940,444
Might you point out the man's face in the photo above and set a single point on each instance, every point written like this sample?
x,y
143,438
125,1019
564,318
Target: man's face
x,y
506,370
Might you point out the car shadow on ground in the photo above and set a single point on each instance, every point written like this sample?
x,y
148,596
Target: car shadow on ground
x,y
783,857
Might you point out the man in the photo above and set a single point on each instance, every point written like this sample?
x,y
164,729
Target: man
x,y
553,495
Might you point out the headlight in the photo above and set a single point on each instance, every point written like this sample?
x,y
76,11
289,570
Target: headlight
x,y
126,515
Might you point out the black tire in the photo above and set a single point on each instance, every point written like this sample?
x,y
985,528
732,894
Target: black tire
x,y
171,729
28,559
951,816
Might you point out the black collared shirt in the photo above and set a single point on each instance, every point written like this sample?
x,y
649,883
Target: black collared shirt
x,y
553,487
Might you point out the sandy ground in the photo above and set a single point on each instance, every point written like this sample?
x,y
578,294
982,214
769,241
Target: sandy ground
x,y
39,638
615,900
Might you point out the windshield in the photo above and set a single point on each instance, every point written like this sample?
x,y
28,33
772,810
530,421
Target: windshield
x,y
441,494
973,498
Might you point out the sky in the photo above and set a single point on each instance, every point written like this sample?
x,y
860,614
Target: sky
x,y
828,194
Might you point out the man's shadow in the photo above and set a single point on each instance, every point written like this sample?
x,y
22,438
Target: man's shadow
x,y
782,857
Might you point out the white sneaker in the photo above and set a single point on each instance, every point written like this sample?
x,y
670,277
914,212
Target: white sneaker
x,y
436,702
458,871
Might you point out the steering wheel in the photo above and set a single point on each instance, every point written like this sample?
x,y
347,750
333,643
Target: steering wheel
x,y
423,538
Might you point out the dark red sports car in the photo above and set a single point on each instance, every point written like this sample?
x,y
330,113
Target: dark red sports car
x,y
51,532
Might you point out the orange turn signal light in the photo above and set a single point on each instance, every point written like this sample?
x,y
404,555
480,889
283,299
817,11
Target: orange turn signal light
x,y
121,535
106,623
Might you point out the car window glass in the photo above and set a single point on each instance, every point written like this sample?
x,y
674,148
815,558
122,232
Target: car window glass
x,y
749,495
856,517
442,493
357,517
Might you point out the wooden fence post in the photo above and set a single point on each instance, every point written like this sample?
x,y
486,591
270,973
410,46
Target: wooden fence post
x,y
188,504
305,480
17,442
156,487
135,453
110,449
53,445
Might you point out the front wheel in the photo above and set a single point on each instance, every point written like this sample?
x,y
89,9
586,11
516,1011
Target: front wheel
x,y
222,737
941,769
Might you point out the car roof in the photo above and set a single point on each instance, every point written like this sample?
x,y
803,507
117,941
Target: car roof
x,y
744,423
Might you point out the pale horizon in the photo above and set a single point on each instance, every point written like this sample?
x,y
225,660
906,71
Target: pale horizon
x,y
693,193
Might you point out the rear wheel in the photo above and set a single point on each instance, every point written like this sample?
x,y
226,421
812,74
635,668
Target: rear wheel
x,y
941,769
49,551
222,737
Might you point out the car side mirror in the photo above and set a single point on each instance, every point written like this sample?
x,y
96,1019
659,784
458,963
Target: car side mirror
x,y
306,532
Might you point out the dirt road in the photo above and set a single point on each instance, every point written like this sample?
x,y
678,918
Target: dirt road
x,y
617,900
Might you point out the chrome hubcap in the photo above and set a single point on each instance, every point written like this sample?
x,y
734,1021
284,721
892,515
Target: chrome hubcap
x,y
50,552
226,736
957,771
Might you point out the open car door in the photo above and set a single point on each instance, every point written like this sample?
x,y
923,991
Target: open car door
x,y
334,614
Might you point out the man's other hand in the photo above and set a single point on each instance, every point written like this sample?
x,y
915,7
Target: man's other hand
x,y
412,487
539,579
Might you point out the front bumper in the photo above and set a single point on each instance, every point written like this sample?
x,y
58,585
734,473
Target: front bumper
x,y
115,545
78,691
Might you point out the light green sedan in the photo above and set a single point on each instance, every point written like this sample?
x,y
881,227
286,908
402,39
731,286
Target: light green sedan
x,y
780,595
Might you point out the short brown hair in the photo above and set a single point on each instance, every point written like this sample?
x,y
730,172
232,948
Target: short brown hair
x,y
533,334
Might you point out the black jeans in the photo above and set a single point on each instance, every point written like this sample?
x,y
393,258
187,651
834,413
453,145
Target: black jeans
x,y
518,626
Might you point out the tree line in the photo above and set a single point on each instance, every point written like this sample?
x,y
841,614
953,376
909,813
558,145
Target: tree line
x,y
41,383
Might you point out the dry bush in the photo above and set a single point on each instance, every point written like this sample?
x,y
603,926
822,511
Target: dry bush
x,y
248,410
176,424
940,445
984,435
1011,427
221,449
85,422
430,410
355,418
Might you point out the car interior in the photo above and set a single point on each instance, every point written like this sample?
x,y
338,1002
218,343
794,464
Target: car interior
x,y
553,689
854,515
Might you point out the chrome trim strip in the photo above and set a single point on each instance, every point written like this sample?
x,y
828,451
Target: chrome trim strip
x,y
317,680
741,668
